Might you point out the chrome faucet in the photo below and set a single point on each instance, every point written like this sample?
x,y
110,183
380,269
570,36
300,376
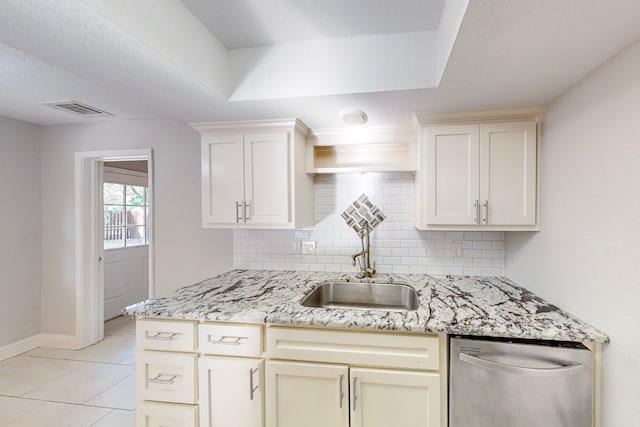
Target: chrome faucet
x,y
364,256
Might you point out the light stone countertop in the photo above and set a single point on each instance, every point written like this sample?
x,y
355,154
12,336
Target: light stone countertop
x,y
457,305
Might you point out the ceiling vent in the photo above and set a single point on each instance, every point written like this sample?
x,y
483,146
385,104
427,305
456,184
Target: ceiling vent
x,y
77,108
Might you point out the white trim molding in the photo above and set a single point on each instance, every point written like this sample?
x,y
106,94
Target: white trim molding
x,y
19,347
89,277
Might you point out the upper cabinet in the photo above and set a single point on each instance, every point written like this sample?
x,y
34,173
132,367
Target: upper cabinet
x,y
253,175
478,174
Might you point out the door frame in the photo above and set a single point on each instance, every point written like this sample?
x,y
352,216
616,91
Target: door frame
x,y
89,275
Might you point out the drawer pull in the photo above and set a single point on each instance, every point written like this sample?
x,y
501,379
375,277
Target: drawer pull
x,y
252,389
162,336
159,380
228,340
341,391
355,395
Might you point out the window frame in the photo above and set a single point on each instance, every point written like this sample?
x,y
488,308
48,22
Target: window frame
x,y
127,178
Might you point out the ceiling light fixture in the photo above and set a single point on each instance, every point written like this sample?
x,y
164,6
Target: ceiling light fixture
x,y
353,116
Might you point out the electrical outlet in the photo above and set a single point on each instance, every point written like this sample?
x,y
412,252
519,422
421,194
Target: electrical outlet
x,y
456,249
308,247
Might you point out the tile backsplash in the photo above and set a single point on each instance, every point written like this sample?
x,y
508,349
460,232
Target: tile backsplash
x,y
396,246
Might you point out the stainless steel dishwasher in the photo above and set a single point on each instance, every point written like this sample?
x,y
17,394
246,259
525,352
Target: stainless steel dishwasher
x,y
498,383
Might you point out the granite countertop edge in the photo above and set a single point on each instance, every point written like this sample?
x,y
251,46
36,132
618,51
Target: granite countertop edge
x,y
454,305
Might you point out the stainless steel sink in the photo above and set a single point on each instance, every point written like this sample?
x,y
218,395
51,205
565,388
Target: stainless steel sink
x,y
363,296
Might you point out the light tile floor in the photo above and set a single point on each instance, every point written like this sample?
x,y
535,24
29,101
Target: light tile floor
x,y
95,386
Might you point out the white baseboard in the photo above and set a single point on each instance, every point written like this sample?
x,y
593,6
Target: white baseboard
x,y
19,347
69,342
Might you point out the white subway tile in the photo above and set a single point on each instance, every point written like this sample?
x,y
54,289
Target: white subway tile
x,y
454,235
492,272
445,261
492,235
473,235
396,244
400,269
492,254
435,235
400,252
482,244
463,262
472,253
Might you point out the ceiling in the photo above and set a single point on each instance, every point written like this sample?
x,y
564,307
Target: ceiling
x,y
213,60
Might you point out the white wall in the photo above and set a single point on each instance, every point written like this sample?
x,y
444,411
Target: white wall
x,y
397,247
586,259
184,252
19,230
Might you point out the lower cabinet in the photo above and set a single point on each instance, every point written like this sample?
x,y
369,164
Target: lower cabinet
x,y
212,374
307,394
383,397
319,395
157,414
231,392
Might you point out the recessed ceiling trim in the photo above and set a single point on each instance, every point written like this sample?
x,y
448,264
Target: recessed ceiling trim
x,y
77,108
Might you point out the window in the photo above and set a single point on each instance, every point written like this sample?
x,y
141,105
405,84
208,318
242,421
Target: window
x,y
126,215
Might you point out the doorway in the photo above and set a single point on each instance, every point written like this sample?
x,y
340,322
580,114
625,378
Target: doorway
x,y
90,233
125,207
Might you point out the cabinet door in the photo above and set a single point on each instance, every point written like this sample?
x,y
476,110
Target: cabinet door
x,y
306,394
155,414
383,398
231,392
452,175
222,178
266,164
508,173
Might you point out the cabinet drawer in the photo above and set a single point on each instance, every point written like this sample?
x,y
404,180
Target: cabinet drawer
x,y
230,340
351,347
166,335
154,414
167,377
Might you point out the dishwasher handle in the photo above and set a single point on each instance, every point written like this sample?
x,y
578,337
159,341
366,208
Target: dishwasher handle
x,y
520,370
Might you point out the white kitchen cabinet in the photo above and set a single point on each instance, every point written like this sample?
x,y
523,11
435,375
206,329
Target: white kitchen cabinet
x,y
231,392
352,378
253,175
312,394
166,383
155,414
478,175
382,398
306,394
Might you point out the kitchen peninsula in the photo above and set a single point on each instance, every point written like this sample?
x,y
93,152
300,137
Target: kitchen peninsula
x,y
243,336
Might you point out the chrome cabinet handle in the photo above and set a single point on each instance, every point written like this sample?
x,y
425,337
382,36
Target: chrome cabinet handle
x,y
477,206
341,391
162,336
252,389
228,340
355,396
238,217
247,207
522,370
486,212
159,380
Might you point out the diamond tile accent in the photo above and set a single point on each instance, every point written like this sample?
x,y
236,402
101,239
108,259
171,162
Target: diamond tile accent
x,y
362,209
